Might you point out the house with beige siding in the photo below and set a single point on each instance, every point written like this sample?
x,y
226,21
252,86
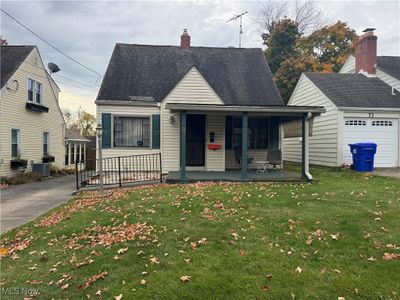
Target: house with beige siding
x,y
362,104
205,109
31,122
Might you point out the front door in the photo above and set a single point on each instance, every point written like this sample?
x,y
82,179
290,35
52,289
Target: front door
x,y
195,140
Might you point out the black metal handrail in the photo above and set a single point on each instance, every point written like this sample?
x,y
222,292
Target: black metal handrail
x,y
119,170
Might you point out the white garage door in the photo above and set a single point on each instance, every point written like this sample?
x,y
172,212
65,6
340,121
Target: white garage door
x,y
383,132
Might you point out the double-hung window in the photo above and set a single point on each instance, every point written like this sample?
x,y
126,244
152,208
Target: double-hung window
x,y
257,133
131,132
45,143
34,91
15,143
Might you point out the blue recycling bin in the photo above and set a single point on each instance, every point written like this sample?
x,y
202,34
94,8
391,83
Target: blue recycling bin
x,y
363,156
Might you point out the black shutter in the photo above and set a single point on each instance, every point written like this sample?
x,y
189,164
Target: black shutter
x,y
156,131
106,124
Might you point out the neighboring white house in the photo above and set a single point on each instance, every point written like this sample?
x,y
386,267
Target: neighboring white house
x,y
362,105
75,148
31,122
192,104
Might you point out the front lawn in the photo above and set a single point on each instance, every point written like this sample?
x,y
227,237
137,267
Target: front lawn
x,y
337,237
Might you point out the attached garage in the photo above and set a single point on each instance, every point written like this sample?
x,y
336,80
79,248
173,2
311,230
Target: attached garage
x,y
384,132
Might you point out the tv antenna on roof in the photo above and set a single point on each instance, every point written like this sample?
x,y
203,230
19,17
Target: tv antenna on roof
x,y
239,16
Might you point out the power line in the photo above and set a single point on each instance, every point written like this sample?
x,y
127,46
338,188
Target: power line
x,y
79,87
84,84
54,47
81,83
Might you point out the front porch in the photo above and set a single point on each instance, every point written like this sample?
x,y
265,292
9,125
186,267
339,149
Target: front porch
x,y
229,143
273,175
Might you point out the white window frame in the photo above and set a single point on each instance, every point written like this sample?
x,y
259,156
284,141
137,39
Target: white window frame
x,y
18,141
139,116
47,142
36,83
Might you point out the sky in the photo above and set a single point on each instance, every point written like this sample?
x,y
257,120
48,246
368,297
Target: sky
x,y
88,31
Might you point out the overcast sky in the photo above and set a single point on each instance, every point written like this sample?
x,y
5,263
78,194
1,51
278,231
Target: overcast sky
x,y
88,31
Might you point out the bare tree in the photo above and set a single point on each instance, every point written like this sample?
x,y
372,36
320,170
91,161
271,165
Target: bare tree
x,y
309,15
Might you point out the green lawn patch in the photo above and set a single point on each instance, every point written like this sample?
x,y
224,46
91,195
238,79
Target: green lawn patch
x,y
336,237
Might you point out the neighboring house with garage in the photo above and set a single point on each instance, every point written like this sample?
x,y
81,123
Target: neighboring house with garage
x,y
362,105
204,109
31,122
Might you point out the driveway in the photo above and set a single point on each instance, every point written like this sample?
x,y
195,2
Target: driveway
x,y
391,172
23,203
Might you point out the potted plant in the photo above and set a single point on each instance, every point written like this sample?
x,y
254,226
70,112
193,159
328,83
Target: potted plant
x,y
48,158
18,162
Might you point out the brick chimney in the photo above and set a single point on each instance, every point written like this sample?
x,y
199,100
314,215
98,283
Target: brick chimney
x,y
185,40
366,52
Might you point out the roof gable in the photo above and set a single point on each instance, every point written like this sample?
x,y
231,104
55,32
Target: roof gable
x,y
355,90
238,76
193,88
389,65
11,58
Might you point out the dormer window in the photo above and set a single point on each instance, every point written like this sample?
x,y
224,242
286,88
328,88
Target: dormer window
x,y
34,91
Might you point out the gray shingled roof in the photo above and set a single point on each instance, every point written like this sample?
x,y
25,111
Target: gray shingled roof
x,y
11,57
390,65
238,76
355,90
75,136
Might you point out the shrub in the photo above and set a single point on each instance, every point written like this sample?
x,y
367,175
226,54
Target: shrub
x,y
24,177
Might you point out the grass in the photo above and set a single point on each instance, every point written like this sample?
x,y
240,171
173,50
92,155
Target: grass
x,y
256,236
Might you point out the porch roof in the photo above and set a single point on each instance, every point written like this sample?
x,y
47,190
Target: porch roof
x,y
283,110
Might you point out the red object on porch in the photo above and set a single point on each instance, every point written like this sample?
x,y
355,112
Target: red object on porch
x,y
214,146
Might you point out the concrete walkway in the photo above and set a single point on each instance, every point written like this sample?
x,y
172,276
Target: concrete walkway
x,y
22,203
391,172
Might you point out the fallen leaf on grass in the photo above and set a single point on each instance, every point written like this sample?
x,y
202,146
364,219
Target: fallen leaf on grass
x,y
335,236
92,280
298,270
142,282
65,286
391,256
122,251
154,260
119,297
268,276
34,281
341,298
84,263
265,288
185,278
309,240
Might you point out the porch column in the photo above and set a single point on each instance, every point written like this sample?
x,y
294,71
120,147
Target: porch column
x,y
69,153
245,133
305,126
183,146
80,151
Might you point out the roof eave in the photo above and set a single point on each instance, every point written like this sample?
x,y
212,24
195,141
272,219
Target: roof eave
x,y
383,109
284,109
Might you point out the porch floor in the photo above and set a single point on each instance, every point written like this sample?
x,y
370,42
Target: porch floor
x,y
235,175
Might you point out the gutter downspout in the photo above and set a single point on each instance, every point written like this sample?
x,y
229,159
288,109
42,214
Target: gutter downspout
x,y
307,147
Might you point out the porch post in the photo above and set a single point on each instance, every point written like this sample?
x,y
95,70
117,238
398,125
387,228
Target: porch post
x,y
183,146
245,133
305,130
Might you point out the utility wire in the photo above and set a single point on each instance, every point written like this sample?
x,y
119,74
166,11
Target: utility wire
x,y
54,47
81,83
84,84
